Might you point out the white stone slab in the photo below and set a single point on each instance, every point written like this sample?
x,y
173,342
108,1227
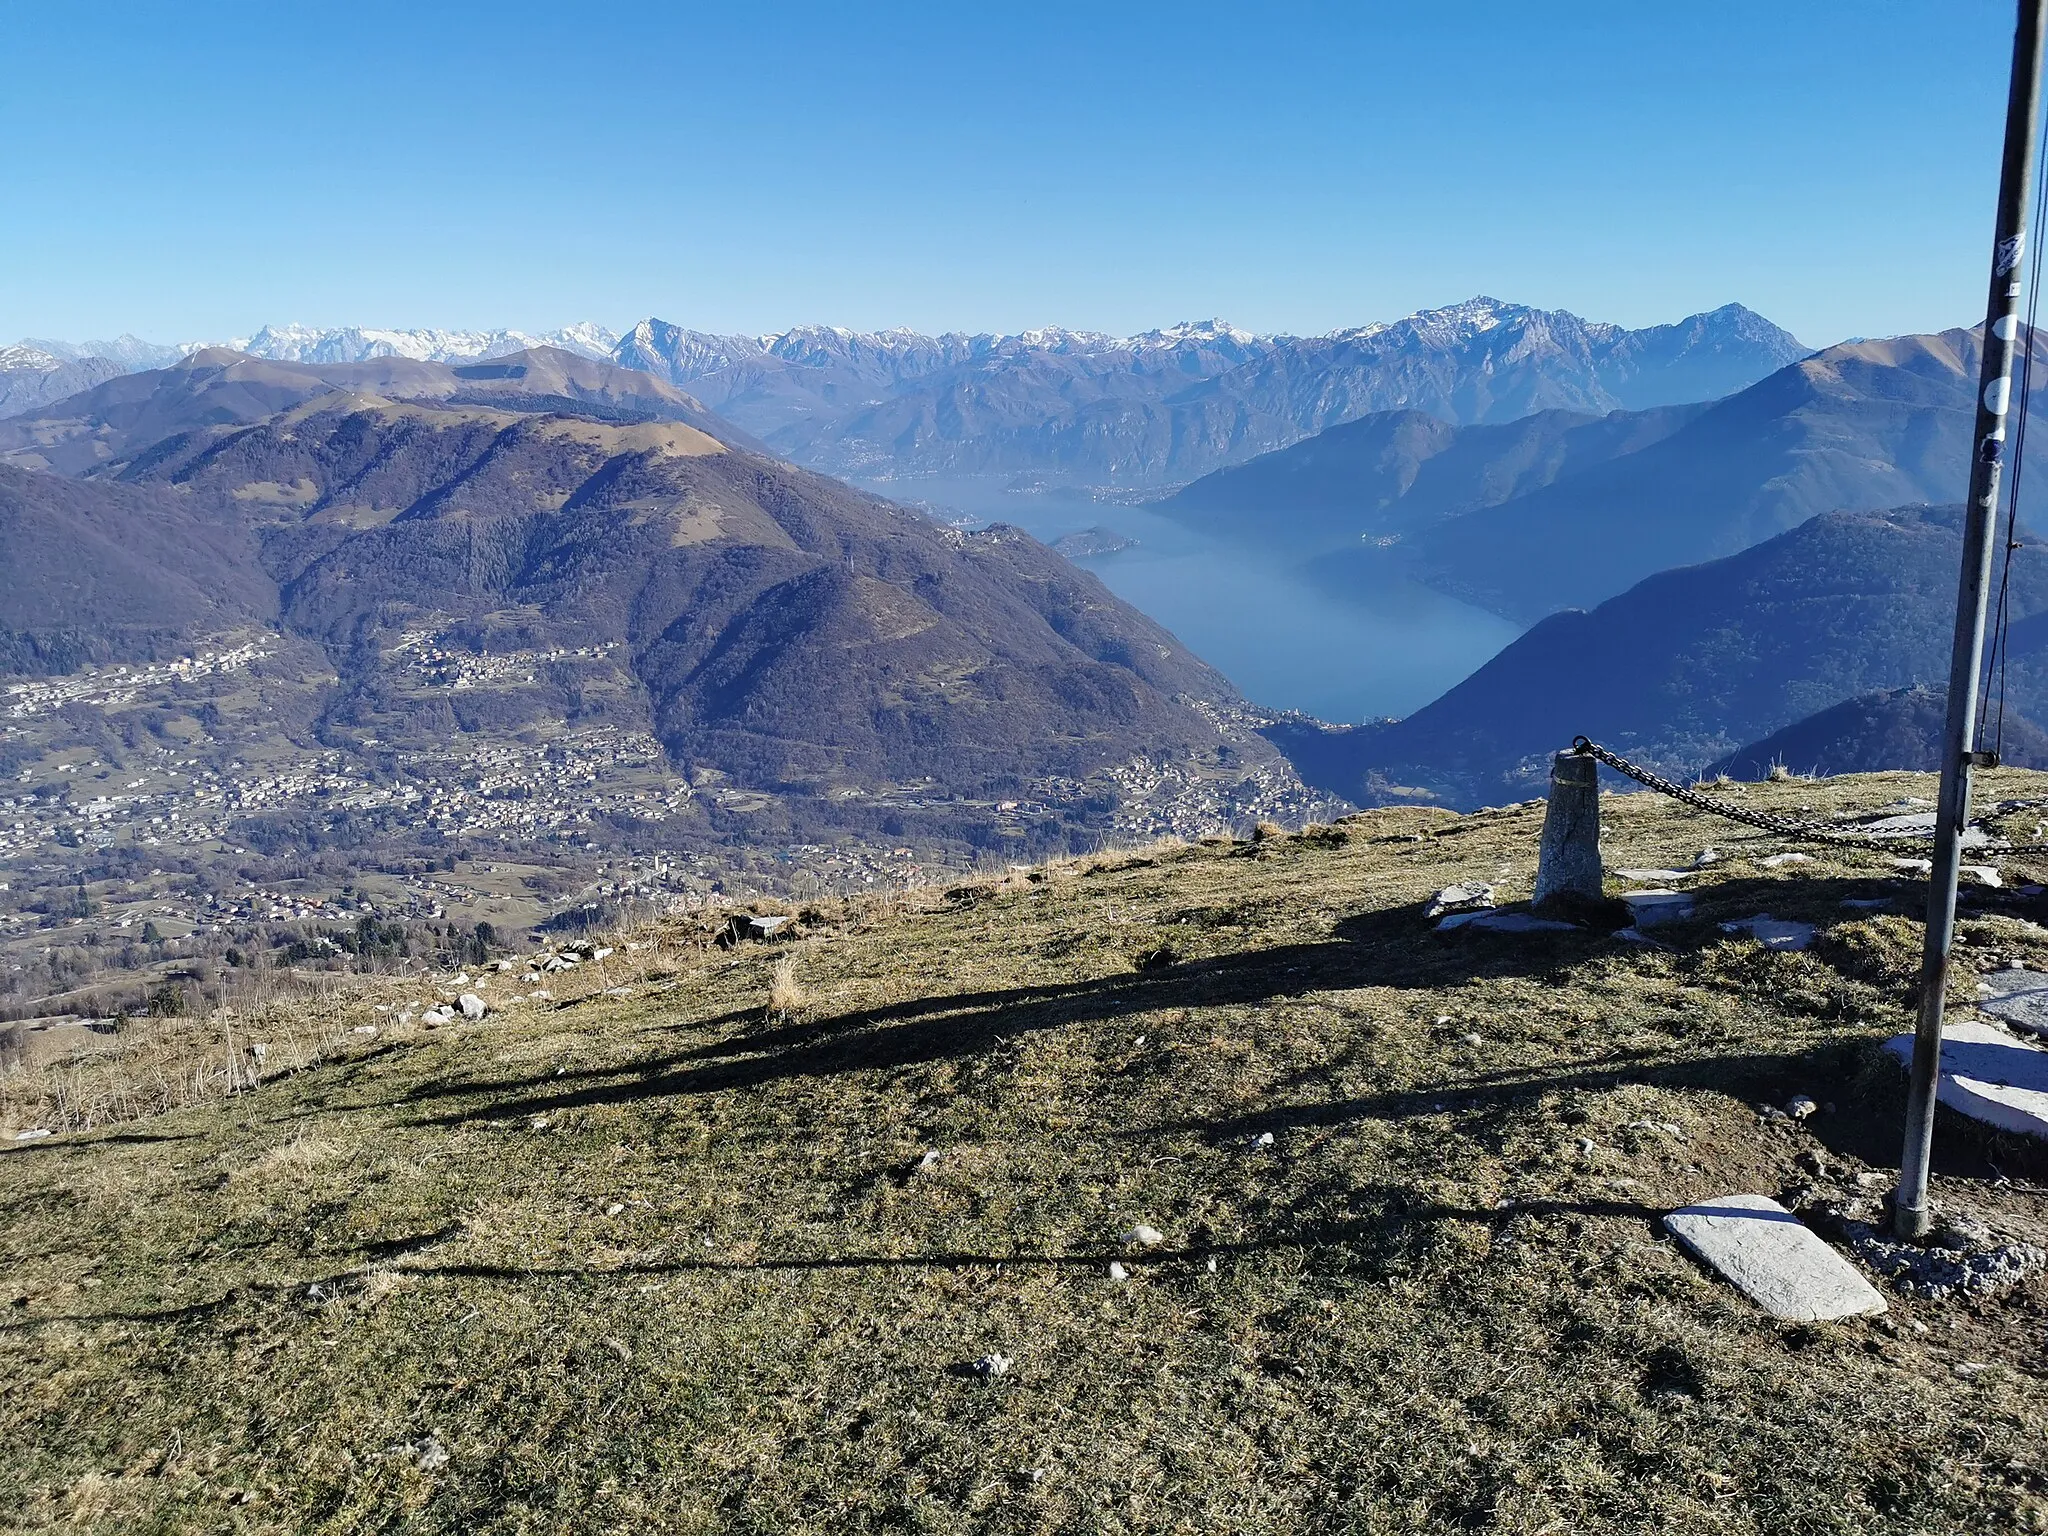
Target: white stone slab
x,y
1653,907
1773,932
1769,1255
1507,922
2018,997
1988,1075
1655,876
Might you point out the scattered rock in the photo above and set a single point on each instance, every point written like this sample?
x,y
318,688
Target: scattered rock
x,y
1706,857
1144,1236
1914,866
37,1134
1460,898
1654,876
1263,1140
1777,859
614,1208
929,1161
600,954
437,1016
1801,1106
1117,1271
459,979
472,1006
364,1029
1983,874
1471,1040
1768,1254
1773,932
1954,1263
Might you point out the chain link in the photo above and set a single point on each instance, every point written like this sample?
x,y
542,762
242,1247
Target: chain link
x,y
1780,826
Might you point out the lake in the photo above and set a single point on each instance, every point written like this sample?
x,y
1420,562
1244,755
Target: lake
x,y
1385,646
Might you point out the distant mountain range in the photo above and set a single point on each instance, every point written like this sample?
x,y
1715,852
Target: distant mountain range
x,y
1080,408
1559,509
1690,667
31,378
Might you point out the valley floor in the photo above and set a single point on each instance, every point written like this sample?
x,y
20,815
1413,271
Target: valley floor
x,y
683,1258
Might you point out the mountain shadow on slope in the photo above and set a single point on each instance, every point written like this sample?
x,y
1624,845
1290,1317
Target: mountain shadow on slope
x,y
1892,728
1687,665
99,574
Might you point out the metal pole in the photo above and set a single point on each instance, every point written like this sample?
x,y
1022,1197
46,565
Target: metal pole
x,y
1959,754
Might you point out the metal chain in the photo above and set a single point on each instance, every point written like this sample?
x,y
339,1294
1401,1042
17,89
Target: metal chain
x,y
1781,826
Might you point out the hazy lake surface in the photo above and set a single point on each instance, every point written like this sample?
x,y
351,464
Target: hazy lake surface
x,y
1386,646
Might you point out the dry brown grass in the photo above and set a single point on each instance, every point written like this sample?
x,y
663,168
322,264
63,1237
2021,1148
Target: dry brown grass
x,y
153,1066
786,994
650,1261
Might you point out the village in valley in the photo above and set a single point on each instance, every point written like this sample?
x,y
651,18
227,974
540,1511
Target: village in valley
x,y
158,830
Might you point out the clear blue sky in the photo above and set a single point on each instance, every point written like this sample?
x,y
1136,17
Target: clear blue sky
x,y
196,170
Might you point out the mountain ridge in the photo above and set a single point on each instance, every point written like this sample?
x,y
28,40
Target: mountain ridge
x,y
1150,409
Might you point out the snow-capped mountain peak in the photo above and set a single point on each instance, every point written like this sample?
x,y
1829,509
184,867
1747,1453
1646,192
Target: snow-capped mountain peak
x,y
27,356
355,344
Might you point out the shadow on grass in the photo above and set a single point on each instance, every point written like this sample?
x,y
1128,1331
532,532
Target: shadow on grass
x,y
79,1140
1396,948
1372,1243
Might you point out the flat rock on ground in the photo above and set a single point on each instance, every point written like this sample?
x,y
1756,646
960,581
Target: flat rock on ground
x,y
1989,1076
1773,932
1653,907
1506,922
2018,997
1769,1255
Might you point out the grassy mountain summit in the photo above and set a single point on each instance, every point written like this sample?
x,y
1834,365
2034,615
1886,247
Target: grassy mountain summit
x,y
820,1237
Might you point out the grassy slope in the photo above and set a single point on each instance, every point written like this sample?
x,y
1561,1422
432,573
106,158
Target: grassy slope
x,y
663,1262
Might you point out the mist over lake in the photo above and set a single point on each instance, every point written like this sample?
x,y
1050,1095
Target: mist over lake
x,y
1385,645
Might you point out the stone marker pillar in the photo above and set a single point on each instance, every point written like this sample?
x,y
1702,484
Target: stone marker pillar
x,y
1568,861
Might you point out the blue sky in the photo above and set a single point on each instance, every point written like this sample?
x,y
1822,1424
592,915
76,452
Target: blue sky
x,y
193,171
